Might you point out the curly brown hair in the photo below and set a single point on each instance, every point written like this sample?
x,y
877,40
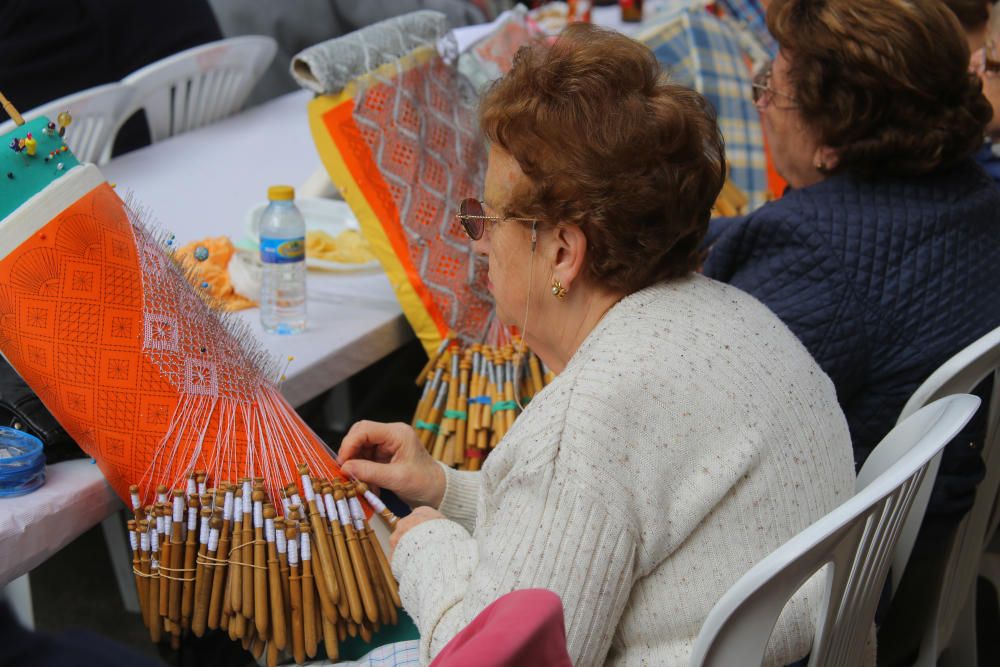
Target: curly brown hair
x,y
607,143
884,82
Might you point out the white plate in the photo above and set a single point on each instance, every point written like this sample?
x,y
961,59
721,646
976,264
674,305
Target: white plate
x,y
329,215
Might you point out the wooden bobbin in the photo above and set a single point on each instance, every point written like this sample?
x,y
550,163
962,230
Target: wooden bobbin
x,y
355,608
203,594
309,586
295,586
261,615
220,574
354,549
275,591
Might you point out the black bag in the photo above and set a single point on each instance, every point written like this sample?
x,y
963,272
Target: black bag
x,y
20,408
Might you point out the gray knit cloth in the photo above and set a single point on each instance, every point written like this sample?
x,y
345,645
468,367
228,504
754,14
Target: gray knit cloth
x,y
329,66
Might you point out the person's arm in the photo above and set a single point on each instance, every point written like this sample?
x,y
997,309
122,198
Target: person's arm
x,y
461,496
547,533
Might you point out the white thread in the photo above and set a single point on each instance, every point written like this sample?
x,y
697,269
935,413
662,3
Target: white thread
x,y
154,564
269,530
247,493
331,508
162,498
306,553
213,539
201,488
192,488
159,524
205,528
178,510
344,512
258,514
288,507
133,540
307,488
154,542
136,504
280,541
227,507
293,552
296,500
144,542
375,501
238,509
321,507
357,513
192,518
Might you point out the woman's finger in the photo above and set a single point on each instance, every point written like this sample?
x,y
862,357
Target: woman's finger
x,y
370,440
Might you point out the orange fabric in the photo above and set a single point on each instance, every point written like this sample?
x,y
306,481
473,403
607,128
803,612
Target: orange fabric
x,y
775,183
339,121
75,322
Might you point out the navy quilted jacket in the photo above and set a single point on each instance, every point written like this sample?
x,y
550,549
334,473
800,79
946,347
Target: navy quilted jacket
x,y
882,281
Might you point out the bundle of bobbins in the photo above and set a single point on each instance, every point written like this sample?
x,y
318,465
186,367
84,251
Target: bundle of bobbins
x,y
472,396
223,559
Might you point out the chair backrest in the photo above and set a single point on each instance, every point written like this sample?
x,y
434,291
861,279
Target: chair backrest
x,y
960,374
97,113
855,540
200,85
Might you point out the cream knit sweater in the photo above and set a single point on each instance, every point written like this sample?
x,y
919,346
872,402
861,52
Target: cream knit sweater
x,y
689,436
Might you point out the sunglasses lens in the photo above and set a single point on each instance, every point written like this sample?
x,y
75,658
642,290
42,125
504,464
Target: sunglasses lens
x,y
471,214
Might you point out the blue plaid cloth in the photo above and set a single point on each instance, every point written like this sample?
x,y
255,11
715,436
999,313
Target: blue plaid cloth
x,y
703,52
751,14
397,654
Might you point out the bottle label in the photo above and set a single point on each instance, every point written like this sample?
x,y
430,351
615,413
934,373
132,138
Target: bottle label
x,y
282,251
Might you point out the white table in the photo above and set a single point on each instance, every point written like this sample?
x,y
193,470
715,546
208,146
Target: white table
x,y
74,498
202,183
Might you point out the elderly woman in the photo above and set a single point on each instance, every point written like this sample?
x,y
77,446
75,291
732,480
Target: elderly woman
x,y
687,433
884,255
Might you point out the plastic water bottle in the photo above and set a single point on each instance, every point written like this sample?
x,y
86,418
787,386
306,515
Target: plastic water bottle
x,y
283,253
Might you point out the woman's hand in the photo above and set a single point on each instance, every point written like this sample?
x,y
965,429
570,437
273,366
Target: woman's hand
x,y
391,456
413,519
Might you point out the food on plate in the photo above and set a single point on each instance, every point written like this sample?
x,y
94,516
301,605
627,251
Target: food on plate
x,y
347,247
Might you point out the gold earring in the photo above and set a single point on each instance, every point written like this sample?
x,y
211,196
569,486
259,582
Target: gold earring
x,y
558,291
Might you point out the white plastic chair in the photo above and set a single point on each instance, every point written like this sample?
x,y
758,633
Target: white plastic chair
x,y
856,539
952,623
201,85
97,113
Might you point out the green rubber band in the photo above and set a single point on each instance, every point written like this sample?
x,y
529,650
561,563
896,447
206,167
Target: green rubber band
x,y
504,405
456,414
433,428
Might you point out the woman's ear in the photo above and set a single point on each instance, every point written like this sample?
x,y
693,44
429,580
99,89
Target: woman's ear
x,y
570,249
826,159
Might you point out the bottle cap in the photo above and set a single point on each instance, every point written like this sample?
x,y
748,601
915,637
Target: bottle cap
x,y
281,193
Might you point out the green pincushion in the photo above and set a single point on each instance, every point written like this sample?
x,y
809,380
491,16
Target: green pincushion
x,y
21,175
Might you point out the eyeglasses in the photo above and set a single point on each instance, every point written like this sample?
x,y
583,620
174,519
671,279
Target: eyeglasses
x,y
763,93
474,218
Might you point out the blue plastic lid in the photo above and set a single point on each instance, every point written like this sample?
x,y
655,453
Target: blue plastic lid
x,y
17,446
22,462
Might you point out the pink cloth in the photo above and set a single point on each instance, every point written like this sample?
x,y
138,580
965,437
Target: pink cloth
x,y
520,629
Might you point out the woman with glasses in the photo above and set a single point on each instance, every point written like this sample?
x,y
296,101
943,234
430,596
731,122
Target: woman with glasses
x,y
687,433
884,254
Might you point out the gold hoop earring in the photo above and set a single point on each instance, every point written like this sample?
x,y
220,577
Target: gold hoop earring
x,y
558,291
